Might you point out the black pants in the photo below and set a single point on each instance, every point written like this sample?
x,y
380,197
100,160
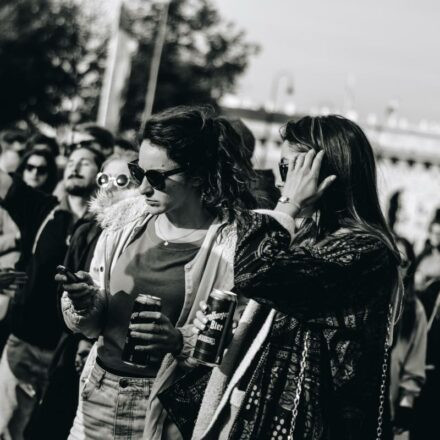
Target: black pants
x,y
54,414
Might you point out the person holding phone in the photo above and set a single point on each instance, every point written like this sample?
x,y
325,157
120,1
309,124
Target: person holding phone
x,y
316,365
57,408
175,240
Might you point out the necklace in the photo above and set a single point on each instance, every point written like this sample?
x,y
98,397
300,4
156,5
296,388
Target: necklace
x,y
165,241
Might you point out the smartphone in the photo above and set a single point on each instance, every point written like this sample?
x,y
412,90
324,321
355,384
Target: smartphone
x,y
72,278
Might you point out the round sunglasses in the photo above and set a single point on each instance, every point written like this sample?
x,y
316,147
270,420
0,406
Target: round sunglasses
x,y
155,178
103,180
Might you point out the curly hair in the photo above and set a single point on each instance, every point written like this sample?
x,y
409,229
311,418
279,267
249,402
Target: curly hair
x,y
210,152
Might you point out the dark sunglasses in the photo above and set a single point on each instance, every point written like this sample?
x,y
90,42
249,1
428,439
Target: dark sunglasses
x,y
41,170
121,180
155,178
283,166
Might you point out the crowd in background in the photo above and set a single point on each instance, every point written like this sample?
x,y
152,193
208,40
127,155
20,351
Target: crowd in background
x,y
48,217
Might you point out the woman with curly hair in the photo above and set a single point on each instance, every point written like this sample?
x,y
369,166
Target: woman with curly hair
x,y
175,240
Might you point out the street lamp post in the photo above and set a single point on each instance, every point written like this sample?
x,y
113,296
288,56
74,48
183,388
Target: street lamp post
x,y
276,82
155,64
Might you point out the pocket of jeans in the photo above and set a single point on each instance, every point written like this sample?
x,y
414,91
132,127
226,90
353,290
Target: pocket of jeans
x,y
86,388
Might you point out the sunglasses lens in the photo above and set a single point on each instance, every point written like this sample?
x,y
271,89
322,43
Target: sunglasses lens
x,y
155,179
283,167
136,172
122,180
41,171
102,180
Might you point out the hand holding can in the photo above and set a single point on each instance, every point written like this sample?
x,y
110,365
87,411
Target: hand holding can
x,y
143,304
150,333
213,324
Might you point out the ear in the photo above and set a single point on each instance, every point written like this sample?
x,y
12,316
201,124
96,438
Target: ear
x,y
195,182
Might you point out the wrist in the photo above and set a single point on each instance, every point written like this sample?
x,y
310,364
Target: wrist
x,y
179,343
288,206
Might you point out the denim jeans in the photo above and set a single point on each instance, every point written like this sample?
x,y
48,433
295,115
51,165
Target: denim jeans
x,y
110,406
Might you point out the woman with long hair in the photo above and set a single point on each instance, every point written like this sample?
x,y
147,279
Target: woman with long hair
x,y
173,239
38,170
316,367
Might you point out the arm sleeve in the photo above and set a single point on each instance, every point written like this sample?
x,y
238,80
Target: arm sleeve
x,y
90,322
302,280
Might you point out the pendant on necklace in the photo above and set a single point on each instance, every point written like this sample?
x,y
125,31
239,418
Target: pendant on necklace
x,y
165,243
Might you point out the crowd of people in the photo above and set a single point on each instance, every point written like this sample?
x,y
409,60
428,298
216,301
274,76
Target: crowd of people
x,y
336,325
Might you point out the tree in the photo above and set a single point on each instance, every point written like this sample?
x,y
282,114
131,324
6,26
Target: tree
x,y
48,49
36,58
201,60
53,56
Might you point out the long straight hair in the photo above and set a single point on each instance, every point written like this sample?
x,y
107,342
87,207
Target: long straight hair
x,y
352,200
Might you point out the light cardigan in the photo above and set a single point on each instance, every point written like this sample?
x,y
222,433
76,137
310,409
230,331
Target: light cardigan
x,y
222,397
212,267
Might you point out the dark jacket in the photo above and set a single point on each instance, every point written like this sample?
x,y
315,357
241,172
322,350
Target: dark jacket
x,y
45,227
336,295
58,406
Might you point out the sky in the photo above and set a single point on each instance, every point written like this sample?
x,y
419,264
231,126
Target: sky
x,y
377,51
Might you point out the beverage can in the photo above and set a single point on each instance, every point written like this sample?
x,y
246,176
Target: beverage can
x,y
142,303
211,343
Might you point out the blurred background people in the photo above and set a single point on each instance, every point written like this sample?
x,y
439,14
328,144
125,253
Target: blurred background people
x,y
408,356
46,226
10,282
91,136
39,170
42,142
427,283
13,146
123,146
427,272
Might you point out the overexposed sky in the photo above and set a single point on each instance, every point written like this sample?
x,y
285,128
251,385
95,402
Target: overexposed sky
x,y
389,48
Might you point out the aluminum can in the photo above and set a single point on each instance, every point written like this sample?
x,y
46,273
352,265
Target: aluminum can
x,y
211,343
142,303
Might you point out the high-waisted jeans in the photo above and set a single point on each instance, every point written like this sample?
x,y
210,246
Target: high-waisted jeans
x,y
110,406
